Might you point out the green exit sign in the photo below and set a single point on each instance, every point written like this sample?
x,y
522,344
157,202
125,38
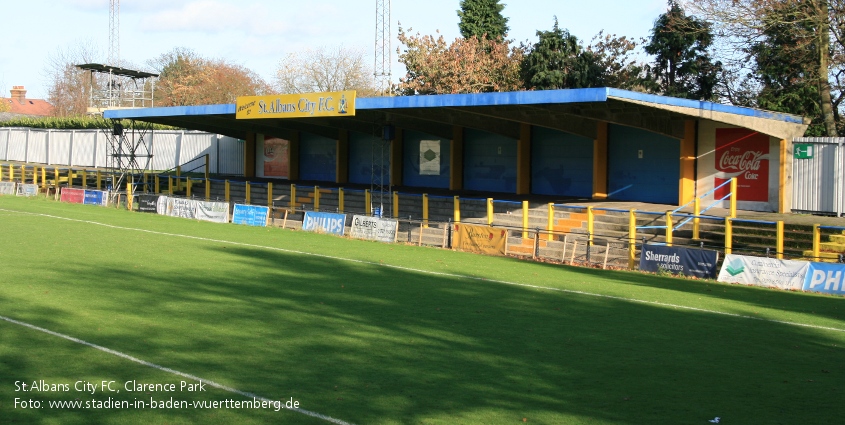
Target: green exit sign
x,y
803,151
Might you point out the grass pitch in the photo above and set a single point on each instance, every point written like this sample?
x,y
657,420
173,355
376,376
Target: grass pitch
x,y
371,333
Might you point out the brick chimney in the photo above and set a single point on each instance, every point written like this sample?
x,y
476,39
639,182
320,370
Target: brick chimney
x,y
18,93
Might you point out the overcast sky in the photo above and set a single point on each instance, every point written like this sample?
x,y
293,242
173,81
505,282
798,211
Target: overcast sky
x,y
258,34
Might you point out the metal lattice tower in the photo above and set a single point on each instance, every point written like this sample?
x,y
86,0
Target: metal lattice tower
x,y
114,33
383,55
382,135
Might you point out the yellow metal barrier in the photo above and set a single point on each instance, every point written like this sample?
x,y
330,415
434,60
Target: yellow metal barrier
x,y
170,185
226,190
269,194
395,204
248,194
779,247
188,187
207,189
293,197
817,239
316,198
100,181
489,211
550,226
590,224
696,222
157,181
340,200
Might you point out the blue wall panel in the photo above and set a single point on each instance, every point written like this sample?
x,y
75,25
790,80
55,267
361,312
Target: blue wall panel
x,y
561,163
489,162
361,157
652,178
411,167
317,158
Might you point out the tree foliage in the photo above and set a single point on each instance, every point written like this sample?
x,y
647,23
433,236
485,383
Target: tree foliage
x,y
79,122
682,66
326,69
558,61
185,78
482,19
814,27
465,66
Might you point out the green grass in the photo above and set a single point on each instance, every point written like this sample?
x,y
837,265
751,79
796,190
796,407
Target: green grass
x,y
371,344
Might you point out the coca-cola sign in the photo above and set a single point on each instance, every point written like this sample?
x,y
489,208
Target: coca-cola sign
x,y
743,154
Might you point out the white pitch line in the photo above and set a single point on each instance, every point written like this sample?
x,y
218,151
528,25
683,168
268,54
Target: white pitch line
x,y
171,371
504,282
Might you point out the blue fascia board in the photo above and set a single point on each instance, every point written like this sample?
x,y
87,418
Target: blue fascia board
x,y
590,95
171,111
704,105
484,99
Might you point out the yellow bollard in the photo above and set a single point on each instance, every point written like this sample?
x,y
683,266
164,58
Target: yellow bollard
x,y
188,187
779,248
696,222
293,197
425,209
44,178
395,204
669,228
269,194
632,239
340,205
524,219
816,242
247,196
129,196
489,211
178,178
728,236
226,190
170,185
368,210
733,197
550,226
457,209
100,181
316,198
590,224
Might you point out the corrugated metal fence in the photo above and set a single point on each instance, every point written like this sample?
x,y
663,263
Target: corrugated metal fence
x,y
818,171
89,148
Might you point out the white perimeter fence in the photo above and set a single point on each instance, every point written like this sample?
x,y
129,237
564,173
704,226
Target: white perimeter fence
x,y
89,148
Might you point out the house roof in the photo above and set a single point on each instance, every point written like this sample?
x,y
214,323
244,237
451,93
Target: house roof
x,y
33,107
573,110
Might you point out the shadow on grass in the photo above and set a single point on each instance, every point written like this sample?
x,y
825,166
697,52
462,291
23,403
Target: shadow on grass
x,y
372,344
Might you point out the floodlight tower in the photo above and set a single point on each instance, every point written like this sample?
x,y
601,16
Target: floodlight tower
x,y
114,33
382,137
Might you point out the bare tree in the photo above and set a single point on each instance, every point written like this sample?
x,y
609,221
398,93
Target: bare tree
x,y
742,23
326,69
68,85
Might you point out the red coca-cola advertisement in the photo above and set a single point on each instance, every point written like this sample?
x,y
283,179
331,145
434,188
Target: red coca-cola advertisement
x,y
743,154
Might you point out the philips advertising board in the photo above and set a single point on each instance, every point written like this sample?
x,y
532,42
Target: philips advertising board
x,y
828,278
768,272
679,260
373,228
251,215
324,222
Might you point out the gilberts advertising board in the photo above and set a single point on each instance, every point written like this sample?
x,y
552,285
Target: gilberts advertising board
x,y
301,105
373,228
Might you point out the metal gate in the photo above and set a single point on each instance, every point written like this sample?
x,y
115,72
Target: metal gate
x,y
818,170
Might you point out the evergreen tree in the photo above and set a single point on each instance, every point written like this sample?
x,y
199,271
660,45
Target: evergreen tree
x,y
558,61
482,19
682,67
